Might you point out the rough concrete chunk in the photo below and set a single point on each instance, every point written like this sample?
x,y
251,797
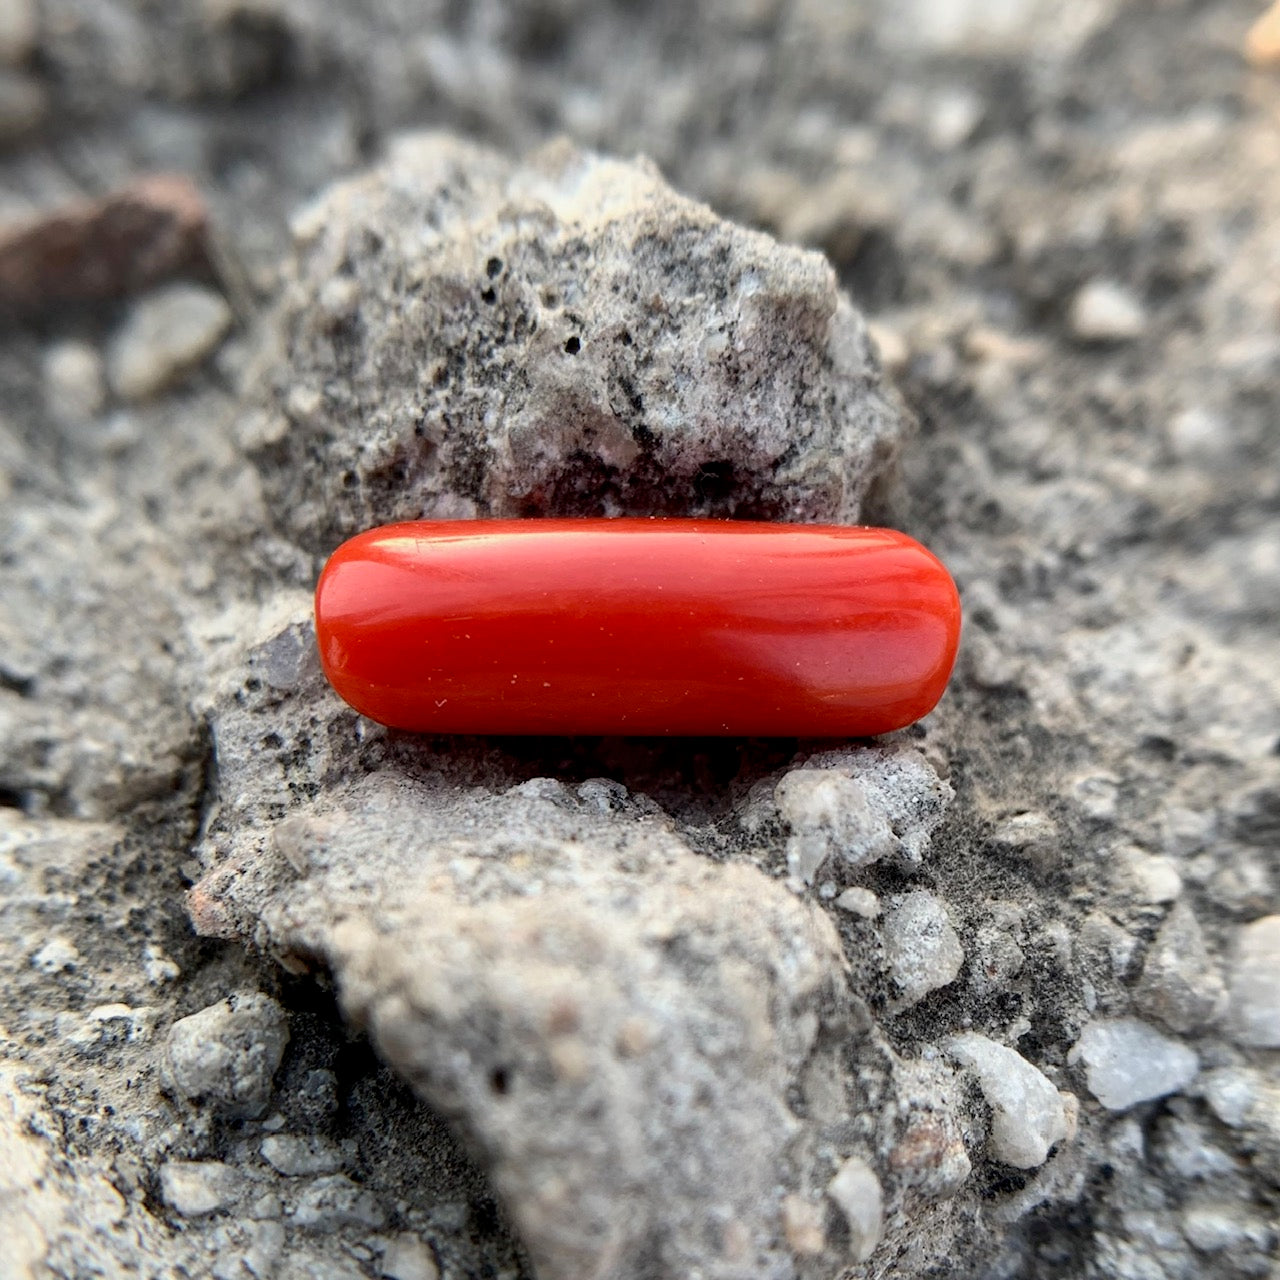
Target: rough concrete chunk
x,y
564,336
612,1018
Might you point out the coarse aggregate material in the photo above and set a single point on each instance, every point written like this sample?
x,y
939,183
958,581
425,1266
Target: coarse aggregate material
x,y
284,994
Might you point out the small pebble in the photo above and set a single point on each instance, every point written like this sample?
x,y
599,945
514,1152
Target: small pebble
x,y
75,382
335,1201
1029,1115
830,814
953,118
859,902
856,1192
891,346
802,1225
1096,795
1196,433
1033,836
1231,1093
158,967
196,1188
1128,1062
1180,983
409,1258
169,333
1153,879
921,947
1255,984
294,1155
226,1056
267,1240
1105,311
1213,1228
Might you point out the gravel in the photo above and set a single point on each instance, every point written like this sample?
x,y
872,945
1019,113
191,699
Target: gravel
x,y
1180,983
195,1188
1255,989
1105,311
921,947
1030,1116
226,1056
1127,1062
856,1192
1093,806
167,334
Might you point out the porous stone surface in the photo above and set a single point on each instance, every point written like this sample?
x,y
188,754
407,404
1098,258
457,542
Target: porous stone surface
x,y
565,336
1100,479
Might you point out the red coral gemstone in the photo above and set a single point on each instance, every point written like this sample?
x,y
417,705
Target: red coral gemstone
x,y
637,627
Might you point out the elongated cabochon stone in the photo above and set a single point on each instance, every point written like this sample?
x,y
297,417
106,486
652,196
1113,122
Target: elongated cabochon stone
x,y
636,626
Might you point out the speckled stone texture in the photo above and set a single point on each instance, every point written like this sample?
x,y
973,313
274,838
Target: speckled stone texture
x,y
1057,226
466,336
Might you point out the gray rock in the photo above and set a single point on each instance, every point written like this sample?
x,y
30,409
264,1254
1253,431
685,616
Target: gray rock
x,y
409,1258
295,1155
608,1015
75,381
997,956
1127,1062
195,1188
1231,1093
1151,878
921,948
1228,1228
1034,836
859,902
856,1192
859,808
1180,983
564,336
168,333
1105,311
1029,1116
334,1201
1255,987
226,1056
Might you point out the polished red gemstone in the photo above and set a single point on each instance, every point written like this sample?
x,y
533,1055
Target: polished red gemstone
x,y
637,627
